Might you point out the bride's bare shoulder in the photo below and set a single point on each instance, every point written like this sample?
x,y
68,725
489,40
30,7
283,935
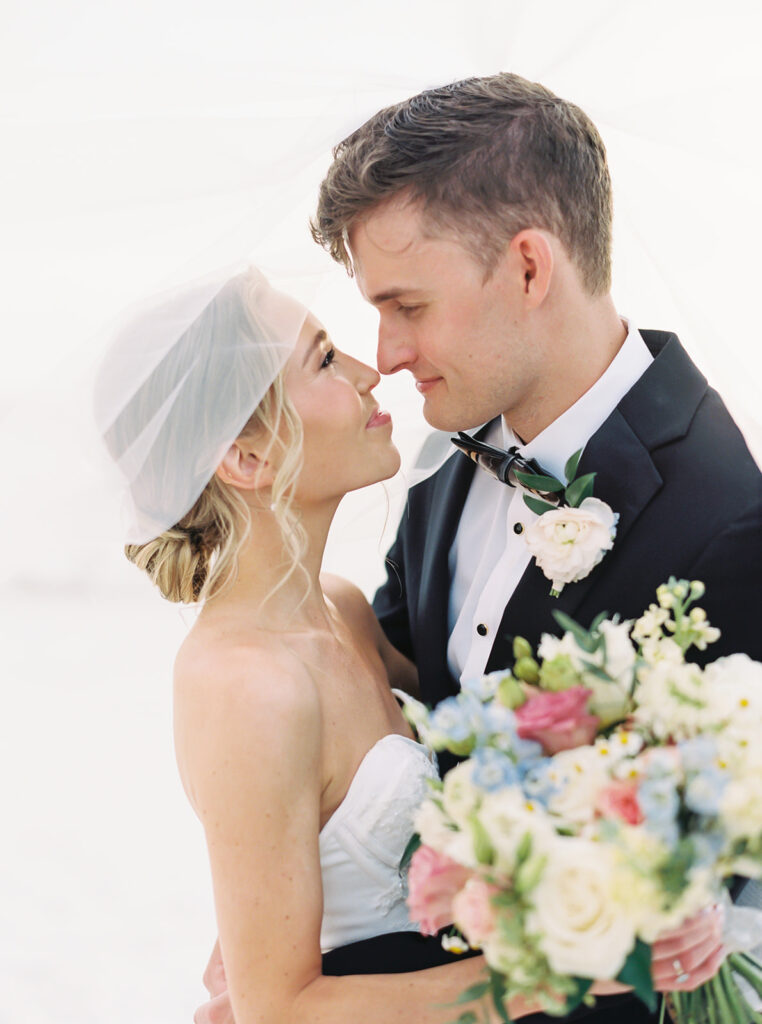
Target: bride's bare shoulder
x,y
258,671
350,601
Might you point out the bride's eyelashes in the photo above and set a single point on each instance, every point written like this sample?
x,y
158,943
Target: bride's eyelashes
x,y
328,358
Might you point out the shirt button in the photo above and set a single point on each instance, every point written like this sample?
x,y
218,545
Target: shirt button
x,y
481,629
518,527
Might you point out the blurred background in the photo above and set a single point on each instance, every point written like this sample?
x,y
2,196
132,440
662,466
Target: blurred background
x,y
145,145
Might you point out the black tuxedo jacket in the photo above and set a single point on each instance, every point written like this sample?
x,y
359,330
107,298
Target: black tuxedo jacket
x,y
672,463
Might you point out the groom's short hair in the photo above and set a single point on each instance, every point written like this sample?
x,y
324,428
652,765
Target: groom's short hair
x,y
486,158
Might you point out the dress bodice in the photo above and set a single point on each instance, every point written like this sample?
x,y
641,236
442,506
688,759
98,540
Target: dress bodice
x,y
363,841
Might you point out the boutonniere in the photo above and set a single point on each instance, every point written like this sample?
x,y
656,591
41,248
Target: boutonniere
x,y
570,538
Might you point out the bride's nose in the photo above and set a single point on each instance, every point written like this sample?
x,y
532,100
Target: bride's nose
x,y
366,377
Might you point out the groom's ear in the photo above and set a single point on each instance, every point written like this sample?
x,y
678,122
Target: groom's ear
x,y
246,468
532,260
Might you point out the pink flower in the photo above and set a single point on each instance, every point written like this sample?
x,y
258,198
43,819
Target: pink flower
x,y
620,800
473,911
433,880
559,721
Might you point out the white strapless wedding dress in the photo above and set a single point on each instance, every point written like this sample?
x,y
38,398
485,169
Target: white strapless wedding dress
x,y
363,841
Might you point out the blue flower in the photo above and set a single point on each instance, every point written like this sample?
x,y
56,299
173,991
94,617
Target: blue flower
x,y
493,769
483,687
452,720
703,793
659,802
697,753
536,779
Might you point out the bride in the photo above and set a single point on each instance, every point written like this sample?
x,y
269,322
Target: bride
x,y
242,431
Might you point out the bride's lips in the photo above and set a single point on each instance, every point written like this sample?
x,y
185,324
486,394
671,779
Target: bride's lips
x,y
379,419
426,385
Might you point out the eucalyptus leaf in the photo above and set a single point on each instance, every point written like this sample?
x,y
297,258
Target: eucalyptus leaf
x,y
538,505
570,469
539,482
580,489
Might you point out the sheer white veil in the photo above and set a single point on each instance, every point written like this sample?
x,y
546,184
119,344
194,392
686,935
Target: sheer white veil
x,y
123,183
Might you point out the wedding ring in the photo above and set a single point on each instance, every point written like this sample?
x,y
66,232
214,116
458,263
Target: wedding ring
x,y
682,978
677,967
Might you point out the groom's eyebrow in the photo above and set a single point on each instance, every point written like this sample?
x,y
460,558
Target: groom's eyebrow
x,y
390,293
319,338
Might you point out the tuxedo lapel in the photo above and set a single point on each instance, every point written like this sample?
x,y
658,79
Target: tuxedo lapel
x,y
431,626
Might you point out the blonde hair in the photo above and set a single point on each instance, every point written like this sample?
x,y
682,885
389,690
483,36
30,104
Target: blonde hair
x,y
197,558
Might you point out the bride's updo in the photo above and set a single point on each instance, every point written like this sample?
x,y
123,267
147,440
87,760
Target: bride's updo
x,y
182,382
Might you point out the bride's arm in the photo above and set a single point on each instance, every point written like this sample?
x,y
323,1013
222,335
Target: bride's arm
x,y
354,606
250,758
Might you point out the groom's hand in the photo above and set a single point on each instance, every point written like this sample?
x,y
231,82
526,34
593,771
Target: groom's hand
x,y
692,954
218,1010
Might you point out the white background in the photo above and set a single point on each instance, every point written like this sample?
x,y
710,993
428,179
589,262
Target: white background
x,y
145,143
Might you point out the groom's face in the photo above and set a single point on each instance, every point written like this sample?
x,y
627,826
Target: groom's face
x,y
461,337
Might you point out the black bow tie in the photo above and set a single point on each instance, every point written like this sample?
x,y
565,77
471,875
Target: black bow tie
x,y
509,467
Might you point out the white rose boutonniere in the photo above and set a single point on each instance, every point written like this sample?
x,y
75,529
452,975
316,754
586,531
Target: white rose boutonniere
x,y
568,543
570,539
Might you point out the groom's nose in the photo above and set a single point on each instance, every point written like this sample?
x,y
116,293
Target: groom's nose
x,y
395,348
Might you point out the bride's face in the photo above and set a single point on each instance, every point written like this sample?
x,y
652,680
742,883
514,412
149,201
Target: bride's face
x,y
347,439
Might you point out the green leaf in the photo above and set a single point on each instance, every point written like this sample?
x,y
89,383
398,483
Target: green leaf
x,y
599,673
474,992
469,1017
539,482
637,973
580,489
581,987
584,639
483,849
599,618
412,846
497,984
570,469
538,505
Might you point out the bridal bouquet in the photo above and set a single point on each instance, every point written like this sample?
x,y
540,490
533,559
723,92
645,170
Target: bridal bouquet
x,y
610,789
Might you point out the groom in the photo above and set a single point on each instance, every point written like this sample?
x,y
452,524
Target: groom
x,y
477,219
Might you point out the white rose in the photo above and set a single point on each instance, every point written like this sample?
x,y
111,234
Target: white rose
x,y
568,543
582,927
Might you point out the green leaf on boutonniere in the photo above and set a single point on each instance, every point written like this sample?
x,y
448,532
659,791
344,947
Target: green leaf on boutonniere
x,y
580,489
538,505
412,846
570,469
637,972
538,482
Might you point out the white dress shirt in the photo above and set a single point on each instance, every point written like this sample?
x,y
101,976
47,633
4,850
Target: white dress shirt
x,y
488,556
